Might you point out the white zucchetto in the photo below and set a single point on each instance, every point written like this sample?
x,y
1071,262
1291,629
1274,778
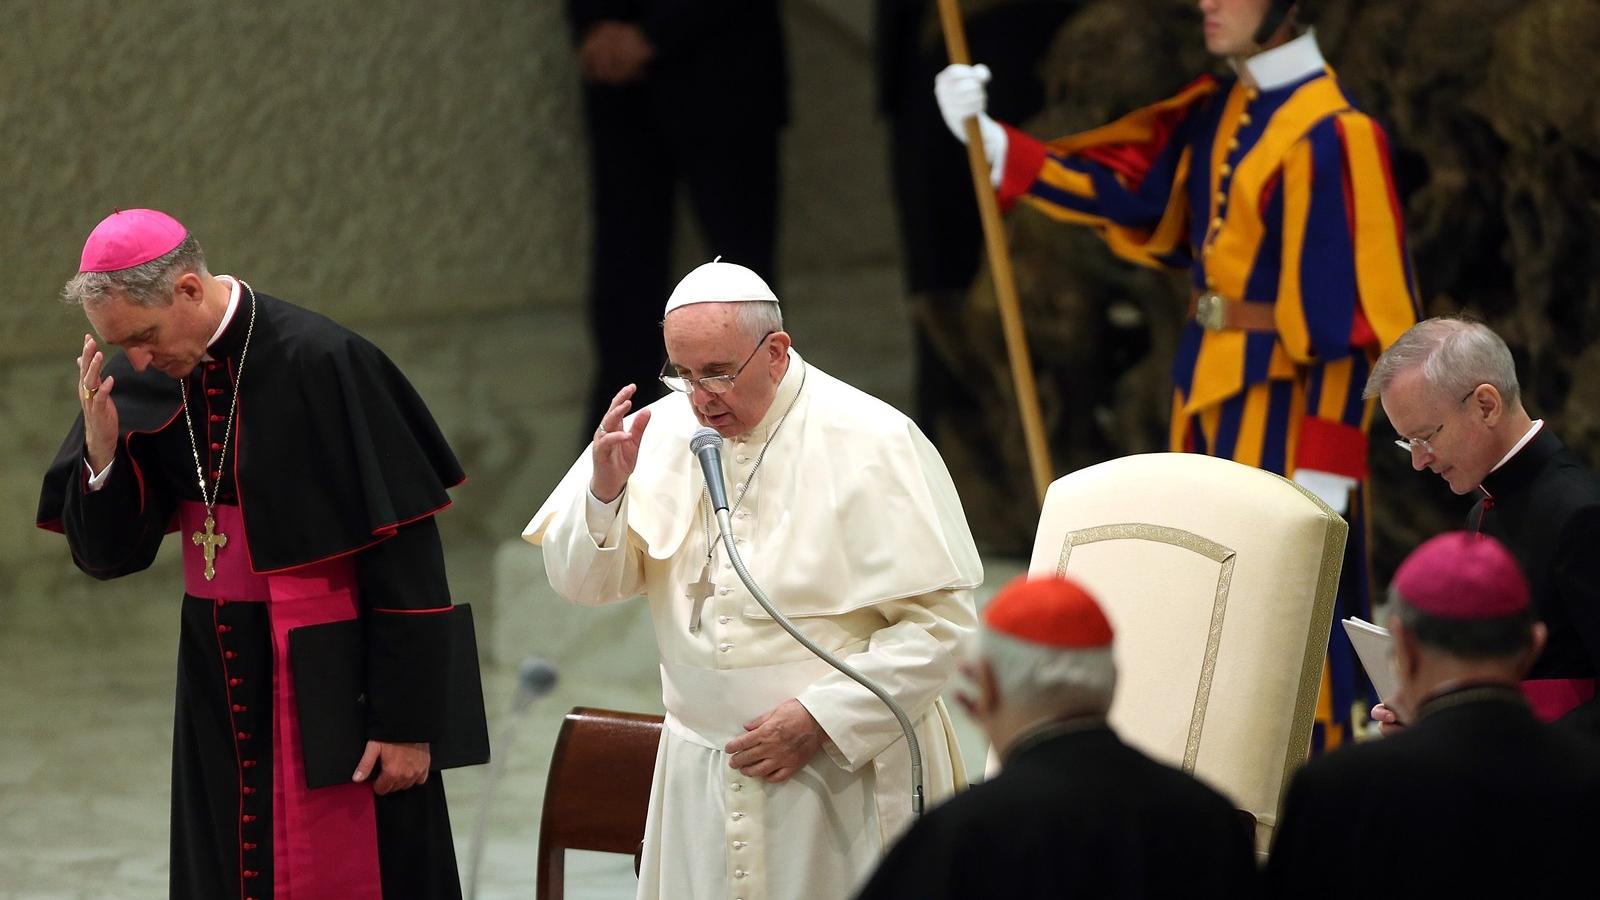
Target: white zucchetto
x,y
719,282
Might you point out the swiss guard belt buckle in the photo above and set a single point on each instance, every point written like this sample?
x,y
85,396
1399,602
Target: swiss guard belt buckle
x,y
1211,311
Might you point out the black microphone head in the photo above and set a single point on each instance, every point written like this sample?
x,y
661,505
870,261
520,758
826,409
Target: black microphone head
x,y
703,438
536,678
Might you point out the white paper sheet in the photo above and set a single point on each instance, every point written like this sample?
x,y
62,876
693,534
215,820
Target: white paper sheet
x,y
1376,649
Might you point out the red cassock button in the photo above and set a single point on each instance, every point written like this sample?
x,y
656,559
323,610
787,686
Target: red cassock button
x,y
216,418
235,682
229,654
248,846
212,392
244,735
250,873
248,763
239,707
224,629
215,445
247,819
247,791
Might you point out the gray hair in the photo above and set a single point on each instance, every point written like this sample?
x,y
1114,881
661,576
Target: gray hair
x,y
1456,355
1471,639
1033,677
759,317
147,284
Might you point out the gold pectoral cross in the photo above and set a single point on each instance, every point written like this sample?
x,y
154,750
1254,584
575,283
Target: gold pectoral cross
x,y
209,542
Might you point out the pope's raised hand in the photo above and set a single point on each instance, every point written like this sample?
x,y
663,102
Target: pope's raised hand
x,y
615,450
99,411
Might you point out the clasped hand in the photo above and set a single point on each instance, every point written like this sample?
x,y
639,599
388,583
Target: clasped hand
x,y
776,745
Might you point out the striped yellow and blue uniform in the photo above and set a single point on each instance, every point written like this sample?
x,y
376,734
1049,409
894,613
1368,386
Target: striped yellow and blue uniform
x,y
1281,197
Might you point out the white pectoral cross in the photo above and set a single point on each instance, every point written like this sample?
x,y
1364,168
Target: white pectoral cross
x,y
697,593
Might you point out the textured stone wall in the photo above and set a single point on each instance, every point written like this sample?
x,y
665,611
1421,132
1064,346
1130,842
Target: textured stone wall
x,y
1493,111
385,163
415,170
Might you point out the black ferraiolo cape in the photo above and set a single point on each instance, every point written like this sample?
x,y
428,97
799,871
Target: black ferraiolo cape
x,y
341,453
333,454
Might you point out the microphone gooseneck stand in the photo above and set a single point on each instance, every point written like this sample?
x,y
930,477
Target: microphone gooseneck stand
x,y
535,678
725,524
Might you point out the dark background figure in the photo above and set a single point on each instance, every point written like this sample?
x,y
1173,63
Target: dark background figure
x,y
690,92
941,242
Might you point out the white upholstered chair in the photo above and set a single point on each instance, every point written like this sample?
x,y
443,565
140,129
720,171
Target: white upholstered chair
x,y
1219,581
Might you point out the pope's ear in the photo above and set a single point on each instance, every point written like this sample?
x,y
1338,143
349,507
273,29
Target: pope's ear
x,y
779,342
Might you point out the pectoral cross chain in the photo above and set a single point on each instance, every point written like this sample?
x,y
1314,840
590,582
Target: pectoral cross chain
x,y
210,541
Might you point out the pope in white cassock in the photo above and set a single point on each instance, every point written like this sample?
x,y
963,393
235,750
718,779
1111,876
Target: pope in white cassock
x,y
777,776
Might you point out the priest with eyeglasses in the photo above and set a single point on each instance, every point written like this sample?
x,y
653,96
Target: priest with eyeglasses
x,y
777,776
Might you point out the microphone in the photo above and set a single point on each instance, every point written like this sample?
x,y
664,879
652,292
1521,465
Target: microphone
x,y
535,678
707,445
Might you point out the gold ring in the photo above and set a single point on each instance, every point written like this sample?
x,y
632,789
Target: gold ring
x,y
600,432
88,392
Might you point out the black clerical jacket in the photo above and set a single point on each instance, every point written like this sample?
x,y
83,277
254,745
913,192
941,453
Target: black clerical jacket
x,y
1476,799
1077,814
1544,505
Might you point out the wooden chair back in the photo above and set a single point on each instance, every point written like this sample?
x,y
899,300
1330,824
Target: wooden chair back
x,y
598,791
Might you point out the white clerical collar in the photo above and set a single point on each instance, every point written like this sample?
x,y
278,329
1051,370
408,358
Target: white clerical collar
x,y
233,304
782,400
1533,430
1286,63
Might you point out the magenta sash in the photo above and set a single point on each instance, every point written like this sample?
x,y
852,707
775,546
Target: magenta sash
x,y
325,841
1552,698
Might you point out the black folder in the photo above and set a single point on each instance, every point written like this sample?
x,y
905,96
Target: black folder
x,y
328,664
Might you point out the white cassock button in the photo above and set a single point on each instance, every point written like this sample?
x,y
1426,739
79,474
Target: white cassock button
x,y
740,845
737,816
724,591
723,620
744,513
743,458
737,786
724,646
739,873
739,486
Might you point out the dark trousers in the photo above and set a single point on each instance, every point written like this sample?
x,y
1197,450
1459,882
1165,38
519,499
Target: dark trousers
x,y
639,155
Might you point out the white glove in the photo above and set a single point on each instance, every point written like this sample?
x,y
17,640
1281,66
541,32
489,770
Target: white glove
x,y
1331,489
960,92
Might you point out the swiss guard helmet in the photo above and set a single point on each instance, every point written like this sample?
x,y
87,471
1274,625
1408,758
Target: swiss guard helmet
x,y
1277,11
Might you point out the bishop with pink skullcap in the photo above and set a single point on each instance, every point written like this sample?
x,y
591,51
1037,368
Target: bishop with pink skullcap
x,y
130,237
1461,575
1052,611
274,440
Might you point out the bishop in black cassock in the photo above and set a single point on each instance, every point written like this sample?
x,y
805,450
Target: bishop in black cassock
x,y
1475,797
316,471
